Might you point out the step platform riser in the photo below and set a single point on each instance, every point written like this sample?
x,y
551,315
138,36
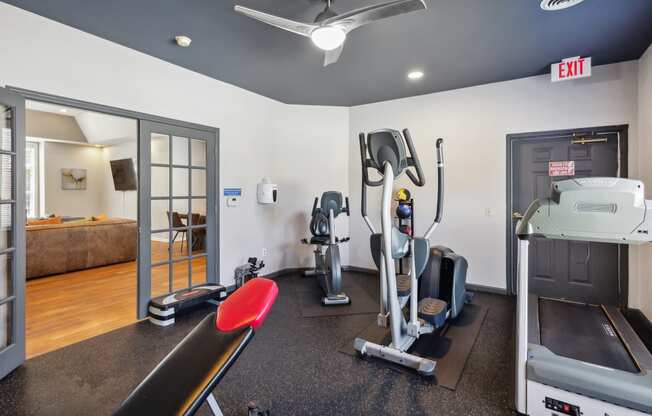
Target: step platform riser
x,y
163,309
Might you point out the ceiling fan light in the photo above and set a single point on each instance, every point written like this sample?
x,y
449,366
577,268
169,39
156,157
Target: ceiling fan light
x,y
328,38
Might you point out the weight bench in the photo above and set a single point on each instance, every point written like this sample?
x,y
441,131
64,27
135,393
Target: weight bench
x,y
187,376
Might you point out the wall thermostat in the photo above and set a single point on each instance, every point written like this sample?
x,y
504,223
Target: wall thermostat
x,y
233,196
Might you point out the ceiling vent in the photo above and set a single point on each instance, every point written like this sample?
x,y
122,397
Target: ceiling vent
x,y
554,5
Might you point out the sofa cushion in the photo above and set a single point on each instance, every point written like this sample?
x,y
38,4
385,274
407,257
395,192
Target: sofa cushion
x,y
46,253
46,221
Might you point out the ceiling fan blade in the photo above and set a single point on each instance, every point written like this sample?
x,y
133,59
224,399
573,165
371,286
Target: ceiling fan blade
x,y
356,18
299,28
330,57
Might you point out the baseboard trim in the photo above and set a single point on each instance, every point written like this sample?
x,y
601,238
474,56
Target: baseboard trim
x,y
486,289
357,269
470,286
284,272
276,274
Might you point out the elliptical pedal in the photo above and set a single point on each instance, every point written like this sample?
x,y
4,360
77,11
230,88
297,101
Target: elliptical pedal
x,y
433,311
403,284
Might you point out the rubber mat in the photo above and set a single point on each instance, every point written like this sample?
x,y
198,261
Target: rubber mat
x,y
582,332
309,295
450,349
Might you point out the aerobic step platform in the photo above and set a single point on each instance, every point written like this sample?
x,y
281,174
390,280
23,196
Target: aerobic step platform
x,y
163,309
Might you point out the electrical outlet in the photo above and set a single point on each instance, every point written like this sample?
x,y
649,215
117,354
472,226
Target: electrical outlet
x,y
488,212
264,252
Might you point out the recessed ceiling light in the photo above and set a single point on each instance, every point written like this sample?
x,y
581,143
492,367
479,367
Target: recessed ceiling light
x,y
63,110
183,40
554,5
414,75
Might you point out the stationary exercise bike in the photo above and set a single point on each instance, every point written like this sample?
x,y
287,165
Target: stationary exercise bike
x,y
328,268
434,287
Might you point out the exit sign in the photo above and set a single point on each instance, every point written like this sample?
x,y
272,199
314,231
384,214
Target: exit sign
x,y
571,68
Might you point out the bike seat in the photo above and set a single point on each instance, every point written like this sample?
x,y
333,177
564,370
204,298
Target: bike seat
x,y
320,239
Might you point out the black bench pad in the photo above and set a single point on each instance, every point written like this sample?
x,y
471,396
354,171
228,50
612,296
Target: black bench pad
x,y
183,380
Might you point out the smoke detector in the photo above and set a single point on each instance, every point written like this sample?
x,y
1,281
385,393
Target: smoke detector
x,y
182,40
554,5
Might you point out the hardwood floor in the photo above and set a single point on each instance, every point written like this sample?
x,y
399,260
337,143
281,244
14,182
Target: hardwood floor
x,y
68,308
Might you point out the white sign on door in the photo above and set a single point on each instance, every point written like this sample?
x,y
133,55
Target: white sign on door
x,y
571,68
561,168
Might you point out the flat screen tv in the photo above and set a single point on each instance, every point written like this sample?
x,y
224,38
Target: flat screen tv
x,y
124,175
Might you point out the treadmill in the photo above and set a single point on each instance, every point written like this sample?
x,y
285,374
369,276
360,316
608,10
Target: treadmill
x,y
574,358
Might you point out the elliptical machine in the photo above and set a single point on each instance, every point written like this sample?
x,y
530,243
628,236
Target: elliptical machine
x,y
435,284
328,268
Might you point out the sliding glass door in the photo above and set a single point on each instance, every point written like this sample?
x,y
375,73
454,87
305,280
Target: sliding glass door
x,y
178,212
12,231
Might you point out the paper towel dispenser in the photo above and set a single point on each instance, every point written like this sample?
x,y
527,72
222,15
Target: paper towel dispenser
x,y
267,192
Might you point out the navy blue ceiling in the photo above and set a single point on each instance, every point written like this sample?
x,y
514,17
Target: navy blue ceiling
x,y
457,43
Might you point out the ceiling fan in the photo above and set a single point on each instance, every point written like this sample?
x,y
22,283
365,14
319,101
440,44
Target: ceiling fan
x,y
329,30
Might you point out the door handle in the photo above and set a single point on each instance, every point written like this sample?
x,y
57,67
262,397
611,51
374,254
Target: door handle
x,y
517,215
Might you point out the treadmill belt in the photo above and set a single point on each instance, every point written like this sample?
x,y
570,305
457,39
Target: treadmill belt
x,y
582,332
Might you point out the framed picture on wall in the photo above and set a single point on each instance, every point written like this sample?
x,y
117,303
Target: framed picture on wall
x,y
73,179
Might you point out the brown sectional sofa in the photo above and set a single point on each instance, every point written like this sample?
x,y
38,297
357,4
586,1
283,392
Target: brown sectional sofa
x,y
68,247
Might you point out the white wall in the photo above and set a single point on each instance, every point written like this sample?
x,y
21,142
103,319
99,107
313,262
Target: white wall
x,y
309,155
643,287
307,150
474,122
104,129
118,204
75,203
254,130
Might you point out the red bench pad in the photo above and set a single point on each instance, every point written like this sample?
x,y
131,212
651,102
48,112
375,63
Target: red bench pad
x,y
247,306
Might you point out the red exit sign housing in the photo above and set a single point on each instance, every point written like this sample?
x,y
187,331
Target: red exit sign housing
x,y
571,68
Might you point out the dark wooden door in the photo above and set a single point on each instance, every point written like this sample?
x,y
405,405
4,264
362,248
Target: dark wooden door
x,y
573,270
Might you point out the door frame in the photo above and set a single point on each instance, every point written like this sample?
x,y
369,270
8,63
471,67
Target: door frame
x,y
514,139
139,117
14,354
145,128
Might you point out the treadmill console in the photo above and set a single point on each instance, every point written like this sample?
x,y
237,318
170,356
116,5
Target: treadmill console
x,y
562,407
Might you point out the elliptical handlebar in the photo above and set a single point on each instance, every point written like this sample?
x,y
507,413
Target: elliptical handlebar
x,y
416,175
439,146
366,164
413,160
439,149
314,206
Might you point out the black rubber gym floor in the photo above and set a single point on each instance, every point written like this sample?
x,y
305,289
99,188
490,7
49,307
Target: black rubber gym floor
x,y
292,367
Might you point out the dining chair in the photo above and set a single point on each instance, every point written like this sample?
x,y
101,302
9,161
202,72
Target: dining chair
x,y
176,222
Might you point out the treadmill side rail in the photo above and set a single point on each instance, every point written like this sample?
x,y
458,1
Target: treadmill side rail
x,y
621,388
630,339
